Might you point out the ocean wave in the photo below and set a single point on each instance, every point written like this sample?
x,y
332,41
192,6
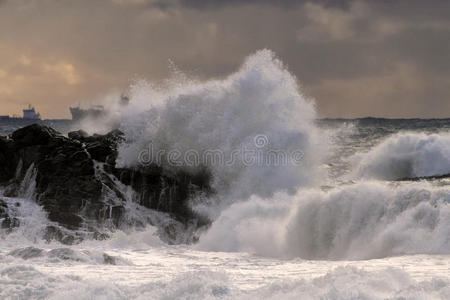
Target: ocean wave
x,y
407,155
21,281
361,221
354,283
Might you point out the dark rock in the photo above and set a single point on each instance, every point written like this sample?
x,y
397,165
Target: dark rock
x,y
53,233
109,260
27,252
100,236
3,208
7,221
65,254
78,135
99,151
75,190
62,236
430,178
100,147
69,219
34,135
10,223
8,159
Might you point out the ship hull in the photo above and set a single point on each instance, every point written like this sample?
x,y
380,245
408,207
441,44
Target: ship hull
x,y
80,114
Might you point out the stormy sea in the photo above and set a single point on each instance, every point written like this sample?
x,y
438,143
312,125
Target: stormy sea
x,y
230,188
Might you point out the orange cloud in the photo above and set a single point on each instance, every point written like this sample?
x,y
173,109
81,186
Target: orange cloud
x,y
65,71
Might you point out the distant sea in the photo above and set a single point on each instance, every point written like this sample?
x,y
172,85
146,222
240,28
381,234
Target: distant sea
x,y
8,126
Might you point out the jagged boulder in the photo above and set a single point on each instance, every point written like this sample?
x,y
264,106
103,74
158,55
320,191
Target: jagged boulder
x,y
78,135
65,178
102,148
34,135
76,179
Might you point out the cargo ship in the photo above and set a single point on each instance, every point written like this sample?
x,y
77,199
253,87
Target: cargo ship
x,y
95,111
29,114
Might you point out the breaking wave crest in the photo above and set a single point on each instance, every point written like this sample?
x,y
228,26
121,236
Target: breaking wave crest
x,y
407,155
362,221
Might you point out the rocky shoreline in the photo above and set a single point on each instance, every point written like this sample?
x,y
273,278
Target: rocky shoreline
x,y
77,183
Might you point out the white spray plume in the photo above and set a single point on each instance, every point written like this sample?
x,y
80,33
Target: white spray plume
x,y
261,99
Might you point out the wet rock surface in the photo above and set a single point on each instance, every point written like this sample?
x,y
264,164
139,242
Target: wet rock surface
x,y
6,220
77,182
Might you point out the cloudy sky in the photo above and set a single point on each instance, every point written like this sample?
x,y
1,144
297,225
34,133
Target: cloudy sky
x,y
356,58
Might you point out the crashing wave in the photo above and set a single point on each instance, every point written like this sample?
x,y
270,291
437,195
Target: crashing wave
x,y
407,155
362,221
261,99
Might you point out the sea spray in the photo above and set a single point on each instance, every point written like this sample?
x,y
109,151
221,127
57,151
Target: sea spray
x,y
258,108
27,187
361,221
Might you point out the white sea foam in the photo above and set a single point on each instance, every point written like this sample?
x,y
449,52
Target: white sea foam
x,y
361,221
353,283
407,155
347,282
28,185
364,220
32,219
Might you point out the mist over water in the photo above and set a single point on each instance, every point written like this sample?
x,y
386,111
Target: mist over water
x,y
315,224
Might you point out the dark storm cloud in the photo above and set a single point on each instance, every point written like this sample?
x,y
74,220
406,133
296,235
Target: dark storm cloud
x,y
287,3
221,3
384,58
214,4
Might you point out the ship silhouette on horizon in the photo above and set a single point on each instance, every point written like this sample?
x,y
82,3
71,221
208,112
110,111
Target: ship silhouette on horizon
x,y
95,111
29,114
